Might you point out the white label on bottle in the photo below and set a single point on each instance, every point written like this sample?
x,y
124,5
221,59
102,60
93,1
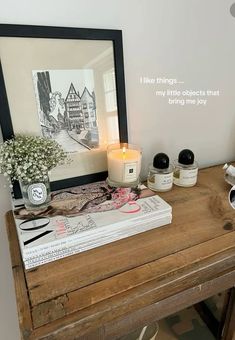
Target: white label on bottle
x,y
161,182
186,177
130,172
37,193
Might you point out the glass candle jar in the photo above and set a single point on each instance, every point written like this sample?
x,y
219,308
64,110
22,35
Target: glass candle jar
x,y
36,195
124,165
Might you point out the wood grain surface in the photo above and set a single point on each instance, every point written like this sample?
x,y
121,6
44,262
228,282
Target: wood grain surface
x,y
106,292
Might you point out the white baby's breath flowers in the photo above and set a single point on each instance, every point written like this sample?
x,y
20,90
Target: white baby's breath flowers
x,y
30,158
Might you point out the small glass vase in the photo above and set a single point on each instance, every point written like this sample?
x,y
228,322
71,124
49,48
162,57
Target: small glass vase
x,y
36,194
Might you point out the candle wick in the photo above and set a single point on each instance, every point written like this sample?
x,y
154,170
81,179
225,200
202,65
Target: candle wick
x,y
124,152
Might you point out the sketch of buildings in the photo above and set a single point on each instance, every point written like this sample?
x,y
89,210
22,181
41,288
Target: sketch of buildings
x,y
74,117
64,115
81,112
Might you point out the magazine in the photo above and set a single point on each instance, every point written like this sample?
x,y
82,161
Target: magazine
x,y
86,217
57,252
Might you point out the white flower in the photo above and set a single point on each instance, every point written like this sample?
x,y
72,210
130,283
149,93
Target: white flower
x,y
29,157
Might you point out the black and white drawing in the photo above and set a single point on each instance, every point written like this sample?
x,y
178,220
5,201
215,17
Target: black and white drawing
x,y
66,106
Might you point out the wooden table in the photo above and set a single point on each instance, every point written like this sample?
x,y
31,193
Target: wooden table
x,y
111,290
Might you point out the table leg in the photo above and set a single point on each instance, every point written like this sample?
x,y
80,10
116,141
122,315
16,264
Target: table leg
x,y
229,324
207,316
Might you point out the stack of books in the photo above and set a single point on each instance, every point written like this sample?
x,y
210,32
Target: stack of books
x,y
68,227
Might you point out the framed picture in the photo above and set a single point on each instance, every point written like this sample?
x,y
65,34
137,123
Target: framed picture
x,y
66,84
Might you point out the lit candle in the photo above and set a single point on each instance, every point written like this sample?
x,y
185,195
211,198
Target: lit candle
x,y
124,164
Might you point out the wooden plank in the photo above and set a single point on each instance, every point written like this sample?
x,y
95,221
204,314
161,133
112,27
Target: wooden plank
x,y
85,321
167,267
57,278
168,306
23,307
98,334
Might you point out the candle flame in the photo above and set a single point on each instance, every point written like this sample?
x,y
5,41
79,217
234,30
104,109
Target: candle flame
x,y
124,152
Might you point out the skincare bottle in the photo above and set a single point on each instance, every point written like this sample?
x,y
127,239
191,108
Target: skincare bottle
x,y
229,170
186,169
160,176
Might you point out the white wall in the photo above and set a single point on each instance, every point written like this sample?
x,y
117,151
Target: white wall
x,y
190,40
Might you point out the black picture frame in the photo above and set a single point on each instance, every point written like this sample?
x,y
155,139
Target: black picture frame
x,y
63,33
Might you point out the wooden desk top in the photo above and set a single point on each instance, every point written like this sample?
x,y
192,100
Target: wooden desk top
x,y
115,288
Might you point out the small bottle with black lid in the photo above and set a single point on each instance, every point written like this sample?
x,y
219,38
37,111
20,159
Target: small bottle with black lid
x,y
186,169
160,177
